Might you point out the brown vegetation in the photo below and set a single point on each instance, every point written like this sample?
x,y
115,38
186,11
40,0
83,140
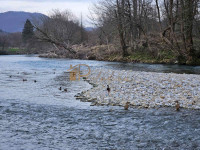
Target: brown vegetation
x,y
150,31
166,25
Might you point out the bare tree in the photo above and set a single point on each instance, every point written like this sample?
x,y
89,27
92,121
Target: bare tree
x,y
60,29
158,11
4,41
137,21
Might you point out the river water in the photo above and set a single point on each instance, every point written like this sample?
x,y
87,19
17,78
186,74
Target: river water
x,y
37,115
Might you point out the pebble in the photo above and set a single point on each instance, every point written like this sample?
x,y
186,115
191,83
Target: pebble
x,y
144,89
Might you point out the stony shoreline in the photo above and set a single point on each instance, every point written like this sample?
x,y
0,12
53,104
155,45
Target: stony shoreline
x,y
142,89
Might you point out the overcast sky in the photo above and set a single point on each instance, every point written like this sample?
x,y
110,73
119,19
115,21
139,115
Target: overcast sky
x,y
45,6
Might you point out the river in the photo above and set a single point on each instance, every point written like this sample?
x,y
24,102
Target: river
x,y
35,114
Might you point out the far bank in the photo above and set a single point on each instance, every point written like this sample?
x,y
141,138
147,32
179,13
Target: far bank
x,y
113,54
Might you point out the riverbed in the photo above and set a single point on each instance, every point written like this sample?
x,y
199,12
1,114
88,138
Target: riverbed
x,y
143,89
38,115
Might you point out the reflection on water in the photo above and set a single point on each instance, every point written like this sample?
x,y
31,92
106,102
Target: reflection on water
x,y
38,115
157,68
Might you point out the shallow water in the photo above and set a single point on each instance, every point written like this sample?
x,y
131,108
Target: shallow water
x,y
40,116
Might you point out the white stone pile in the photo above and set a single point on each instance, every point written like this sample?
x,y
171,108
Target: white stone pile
x,y
144,89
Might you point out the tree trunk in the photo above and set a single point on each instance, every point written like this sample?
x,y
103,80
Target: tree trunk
x,y
158,9
135,15
119,16
189,17
131,28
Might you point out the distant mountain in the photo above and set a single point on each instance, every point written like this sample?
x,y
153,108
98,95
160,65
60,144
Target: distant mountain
x,y
13,21
89,28
3,32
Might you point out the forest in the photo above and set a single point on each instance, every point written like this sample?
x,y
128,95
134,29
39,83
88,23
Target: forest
x,y
148,31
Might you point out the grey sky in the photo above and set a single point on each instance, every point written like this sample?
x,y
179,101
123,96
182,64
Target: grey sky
x,y
45,6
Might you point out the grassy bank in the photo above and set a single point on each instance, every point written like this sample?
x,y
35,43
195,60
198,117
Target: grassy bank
x,y
112,53
12,51
140,57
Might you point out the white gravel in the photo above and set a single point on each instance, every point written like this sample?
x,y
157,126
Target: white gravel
x,y
144,89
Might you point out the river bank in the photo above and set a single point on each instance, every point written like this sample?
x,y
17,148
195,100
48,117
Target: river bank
x,y
143,89
113,54
138,57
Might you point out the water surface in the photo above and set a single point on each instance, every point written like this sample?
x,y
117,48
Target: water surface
x,y
40,116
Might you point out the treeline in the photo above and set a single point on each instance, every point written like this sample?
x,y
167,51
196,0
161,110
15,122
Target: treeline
x,y
152,26
55,33
23,42
9,40
164,30
62,30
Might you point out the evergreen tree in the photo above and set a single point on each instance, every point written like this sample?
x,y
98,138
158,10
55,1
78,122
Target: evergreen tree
x,y
27,33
